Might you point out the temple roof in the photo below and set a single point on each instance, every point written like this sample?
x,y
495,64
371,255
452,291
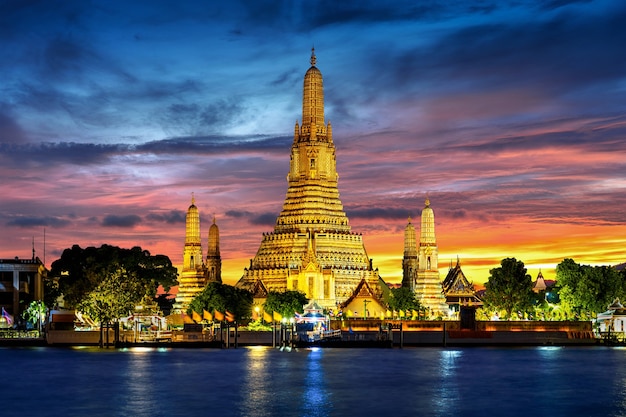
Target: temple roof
x,y
363,290
456,285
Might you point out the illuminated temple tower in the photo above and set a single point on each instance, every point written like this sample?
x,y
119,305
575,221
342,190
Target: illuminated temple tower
x,y
409,261
191,279
312,248
195,273
213,259
427,284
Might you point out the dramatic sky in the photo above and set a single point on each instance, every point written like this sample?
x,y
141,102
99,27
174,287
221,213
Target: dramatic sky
x,y
509,115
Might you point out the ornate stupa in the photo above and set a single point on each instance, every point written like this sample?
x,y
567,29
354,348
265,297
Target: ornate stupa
x,y
428,284
409,260
213,258
195,273
191,278
312,248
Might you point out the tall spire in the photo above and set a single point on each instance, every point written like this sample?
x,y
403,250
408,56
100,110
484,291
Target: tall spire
x,y
312,201
191,279
213,258
312,248
313,99
192,222
410,260
428,286
427,231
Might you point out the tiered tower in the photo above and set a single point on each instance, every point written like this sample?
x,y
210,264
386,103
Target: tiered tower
x,y
428,285
409,261
312,248
191,279
213,259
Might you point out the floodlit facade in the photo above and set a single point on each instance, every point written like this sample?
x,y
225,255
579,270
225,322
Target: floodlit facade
x,y
422,274
21,282
312,248
196,273
409,260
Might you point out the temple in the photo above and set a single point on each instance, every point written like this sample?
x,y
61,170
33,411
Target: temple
x,y
420,264
458,290
409,260
312,248
196,273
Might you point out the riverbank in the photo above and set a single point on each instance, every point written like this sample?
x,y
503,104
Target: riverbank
x,y
353,333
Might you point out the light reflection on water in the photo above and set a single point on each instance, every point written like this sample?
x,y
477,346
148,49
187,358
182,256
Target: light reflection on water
x,y
263,382
447,394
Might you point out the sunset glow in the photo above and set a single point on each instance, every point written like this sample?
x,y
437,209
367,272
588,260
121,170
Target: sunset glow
x,y
510,118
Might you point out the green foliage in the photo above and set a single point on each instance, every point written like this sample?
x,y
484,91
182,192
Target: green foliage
x,y
80,271
403,299
585,289
258,326
509,288
286,303
115,296
35,312
222,297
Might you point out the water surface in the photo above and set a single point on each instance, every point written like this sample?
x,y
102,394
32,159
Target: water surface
x,y
262,381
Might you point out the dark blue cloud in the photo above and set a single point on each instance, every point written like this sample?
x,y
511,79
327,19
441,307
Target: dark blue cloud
x,y
124,221
38,221
172,217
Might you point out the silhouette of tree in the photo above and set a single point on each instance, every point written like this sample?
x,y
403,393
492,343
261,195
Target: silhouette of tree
x,y
509,288
107,282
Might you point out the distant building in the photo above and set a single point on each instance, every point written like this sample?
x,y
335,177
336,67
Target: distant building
x,y
409,260
540,284
196,273
422,274
459,291
21,282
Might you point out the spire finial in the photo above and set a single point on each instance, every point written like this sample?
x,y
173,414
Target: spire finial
x,y
313,58
193,199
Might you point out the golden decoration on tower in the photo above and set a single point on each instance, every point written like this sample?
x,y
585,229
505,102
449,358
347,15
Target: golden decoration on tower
x,y
312,248
195,273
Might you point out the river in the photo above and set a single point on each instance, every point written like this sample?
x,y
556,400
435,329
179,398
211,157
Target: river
x,y
264,381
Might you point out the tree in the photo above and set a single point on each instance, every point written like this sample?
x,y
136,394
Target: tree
x,y
509,288
223,297
83,271
115,296
51,292
588,289
286,303
403,299
35,314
